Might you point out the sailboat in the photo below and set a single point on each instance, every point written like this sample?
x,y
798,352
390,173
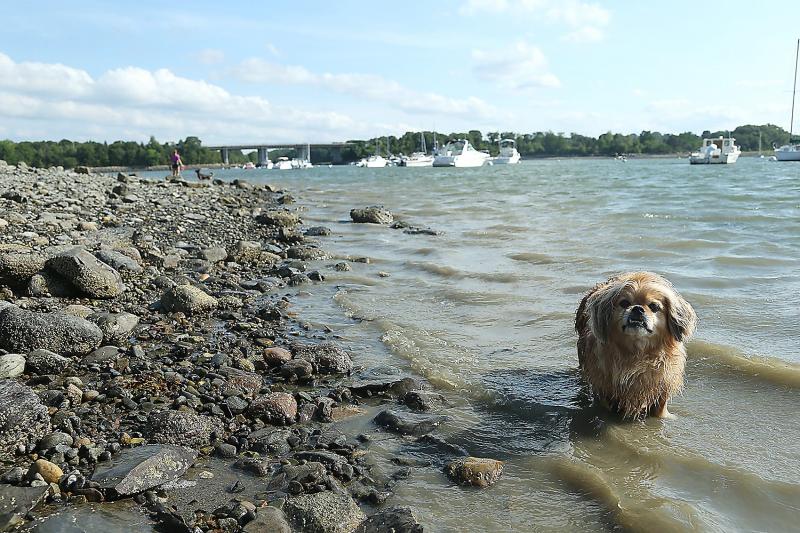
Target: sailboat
x,y
375,161
418,159
791,151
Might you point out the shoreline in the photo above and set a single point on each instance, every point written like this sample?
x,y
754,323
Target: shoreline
x,y
150,330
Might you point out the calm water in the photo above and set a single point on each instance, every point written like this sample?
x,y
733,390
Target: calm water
x,y
485,313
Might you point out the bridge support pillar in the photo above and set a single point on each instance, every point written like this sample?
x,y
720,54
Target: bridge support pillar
x,y
225,156
263,155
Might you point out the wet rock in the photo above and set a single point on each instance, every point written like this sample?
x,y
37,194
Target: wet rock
x,y
88,274
383,380
45,362
408,423
138,469
249,382
276,356
297,369
11,365
102,356
271,441
99,518
116,327
268,519
50,441
475,471
277,408
394,520
257,467
305,252
317,231
50,472
372,215
15,502
324,512
23,418
279,218
119,261
327,358
188,299
423,400
342,267
17,268
182,427
25,331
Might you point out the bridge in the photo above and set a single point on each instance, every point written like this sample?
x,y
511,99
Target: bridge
x,y
303,150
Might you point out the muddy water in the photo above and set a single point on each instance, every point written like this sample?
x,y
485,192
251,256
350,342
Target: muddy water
x,y
484,312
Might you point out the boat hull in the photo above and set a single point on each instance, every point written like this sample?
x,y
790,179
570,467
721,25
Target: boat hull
x,y
787,154
503,160
460,161
726,159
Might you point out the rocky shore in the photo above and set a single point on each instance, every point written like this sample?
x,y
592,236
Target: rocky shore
x,y
153,375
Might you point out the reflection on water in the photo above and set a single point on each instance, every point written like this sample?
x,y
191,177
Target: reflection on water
x,y
484,311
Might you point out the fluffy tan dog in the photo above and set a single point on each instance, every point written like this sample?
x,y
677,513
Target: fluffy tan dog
x,y
631,331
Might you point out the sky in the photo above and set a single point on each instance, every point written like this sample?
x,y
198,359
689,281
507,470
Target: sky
x,y
322,71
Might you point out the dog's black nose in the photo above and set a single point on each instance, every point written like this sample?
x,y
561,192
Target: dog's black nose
x,y
636,311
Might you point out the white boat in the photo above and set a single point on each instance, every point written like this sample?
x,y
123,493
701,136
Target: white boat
x,y
375,161
283,163
418,159
719,151
791,151
460,153
249,165
508,153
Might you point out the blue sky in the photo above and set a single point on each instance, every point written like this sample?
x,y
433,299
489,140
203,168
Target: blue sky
x,y
326,71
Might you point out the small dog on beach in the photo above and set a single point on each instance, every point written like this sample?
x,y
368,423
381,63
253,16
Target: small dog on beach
x,y
631,333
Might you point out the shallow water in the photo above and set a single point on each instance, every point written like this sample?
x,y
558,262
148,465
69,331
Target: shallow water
x,y
485,311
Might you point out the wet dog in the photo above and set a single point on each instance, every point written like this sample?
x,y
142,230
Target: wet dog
x,y
631,333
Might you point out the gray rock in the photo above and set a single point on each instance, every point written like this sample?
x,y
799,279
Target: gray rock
x,y
23,418
270,441
88,274
324,512
11,365
214,254
268,519
394,520
297,369
408,423
45,362
16,268
138,469
116,327
317,231
327,358
46,283
277,408
104,517
102,356
383,380
118,261
278,217
15,502
423,400
54,439
375,214
305,252
24,331
182,427
188,299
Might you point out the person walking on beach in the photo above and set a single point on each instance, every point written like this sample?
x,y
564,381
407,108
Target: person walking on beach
x,y
176,163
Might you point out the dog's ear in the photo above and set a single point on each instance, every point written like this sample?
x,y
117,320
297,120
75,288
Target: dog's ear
x,y
681,317
599,304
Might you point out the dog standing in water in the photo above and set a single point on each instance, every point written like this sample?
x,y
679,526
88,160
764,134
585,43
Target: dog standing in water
x,y
631,333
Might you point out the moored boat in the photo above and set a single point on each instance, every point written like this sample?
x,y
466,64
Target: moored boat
x,y
508,153
460,153
791,150
719,151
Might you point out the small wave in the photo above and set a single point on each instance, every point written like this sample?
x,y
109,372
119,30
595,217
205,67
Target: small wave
x,y
754,261
454,273
533,258
766,368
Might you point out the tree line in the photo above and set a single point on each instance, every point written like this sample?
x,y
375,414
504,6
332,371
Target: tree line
x,y
540,144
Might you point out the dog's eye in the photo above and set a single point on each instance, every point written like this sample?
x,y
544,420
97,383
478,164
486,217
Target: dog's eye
x,y
654,307
624,304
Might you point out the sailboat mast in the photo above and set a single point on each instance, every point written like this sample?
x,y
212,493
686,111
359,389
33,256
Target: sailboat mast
x,y
794,90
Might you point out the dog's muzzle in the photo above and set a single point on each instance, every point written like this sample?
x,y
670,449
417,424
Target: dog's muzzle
x,y
636,319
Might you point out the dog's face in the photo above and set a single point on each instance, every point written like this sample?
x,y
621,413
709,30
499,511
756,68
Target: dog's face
x,y
640,309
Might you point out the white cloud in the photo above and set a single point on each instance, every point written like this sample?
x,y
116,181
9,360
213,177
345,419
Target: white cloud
x,y
523,67
272,49
56,101
210,56
584,20
369,86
